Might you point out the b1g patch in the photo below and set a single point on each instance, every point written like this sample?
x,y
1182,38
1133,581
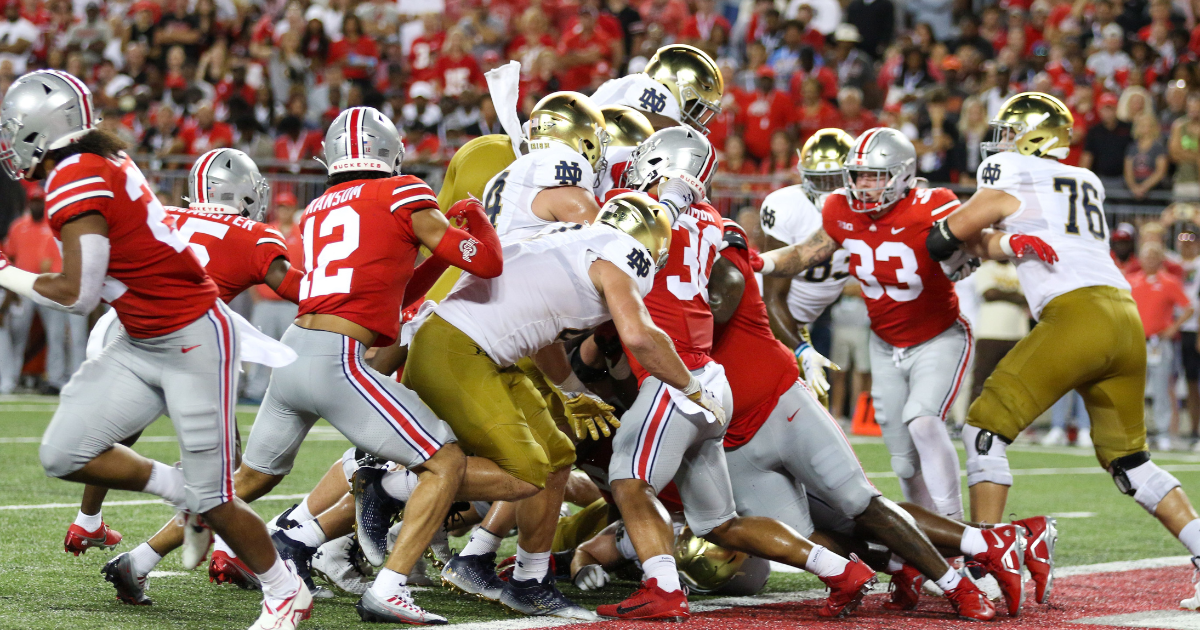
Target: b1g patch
x,y
568,173
990,174
652,101
638,263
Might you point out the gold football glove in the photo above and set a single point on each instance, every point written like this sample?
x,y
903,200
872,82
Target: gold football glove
x,y
590,416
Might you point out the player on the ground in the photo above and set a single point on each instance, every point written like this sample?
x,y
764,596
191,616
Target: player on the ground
x,y
789,216
788,458
1050,219
665,436
627,128
178,347
920,344
223,228
681,85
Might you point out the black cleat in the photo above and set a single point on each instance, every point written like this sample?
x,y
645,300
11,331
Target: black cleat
x,y
131,589
374,510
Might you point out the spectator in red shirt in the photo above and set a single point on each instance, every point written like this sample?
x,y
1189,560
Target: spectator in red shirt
x,y
356,51
853,118
783,160
699,27
423,54
456,71
235,85
582,51
814,112
671,15
809,69
295,145
205,132
732,193
532,39
768,110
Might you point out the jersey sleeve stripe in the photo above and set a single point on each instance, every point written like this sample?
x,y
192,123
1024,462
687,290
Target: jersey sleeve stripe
x,y
274,233
414,198
263,241
946,206
80,197
73,185
411,187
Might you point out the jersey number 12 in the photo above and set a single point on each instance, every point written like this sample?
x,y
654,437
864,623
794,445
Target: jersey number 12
x,y
317,281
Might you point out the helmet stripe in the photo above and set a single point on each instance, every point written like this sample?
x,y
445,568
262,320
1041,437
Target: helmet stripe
x,y
354,137
82,92
862,143
206,161
710,162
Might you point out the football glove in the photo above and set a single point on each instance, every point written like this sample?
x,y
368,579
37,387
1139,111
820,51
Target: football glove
x,y
590,416
1019,245
959,265
457,214
592,577
812,368
697,394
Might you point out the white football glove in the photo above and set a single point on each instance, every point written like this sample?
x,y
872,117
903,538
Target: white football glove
x,y
697,394
591,578
959,266
813,364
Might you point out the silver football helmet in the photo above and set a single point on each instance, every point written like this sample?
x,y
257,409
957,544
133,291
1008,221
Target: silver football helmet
x,y
42,111
227,181
888,155
674,149
363,139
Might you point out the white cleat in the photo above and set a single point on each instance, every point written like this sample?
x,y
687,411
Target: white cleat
x,y
336,563
399,608
1084,440
286,614
197,539
1054,437
1193,602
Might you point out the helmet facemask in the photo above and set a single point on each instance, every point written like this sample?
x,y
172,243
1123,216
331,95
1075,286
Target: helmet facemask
x,y
818,183
1003,136
9,160
696,111
887,190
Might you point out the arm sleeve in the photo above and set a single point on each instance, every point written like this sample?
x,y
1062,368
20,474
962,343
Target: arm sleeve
x,y
424,277
477,252
289,288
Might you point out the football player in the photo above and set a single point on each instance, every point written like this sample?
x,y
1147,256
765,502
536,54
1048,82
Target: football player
x,y
1089,337
666,437
920,343
789,216
627,128
178,347
681,85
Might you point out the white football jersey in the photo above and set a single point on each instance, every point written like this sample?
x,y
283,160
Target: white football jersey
x,y
545,293
1064,206
508,198
616,158
640,92
789,216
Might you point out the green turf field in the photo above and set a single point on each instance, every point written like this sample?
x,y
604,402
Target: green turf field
x,y
43,587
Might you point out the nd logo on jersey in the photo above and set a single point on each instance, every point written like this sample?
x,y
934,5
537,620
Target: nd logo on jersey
x,y
652,101
568,173
768,217
638,263
990,174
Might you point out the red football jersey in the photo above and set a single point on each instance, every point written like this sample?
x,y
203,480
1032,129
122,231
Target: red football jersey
x,y
750,352
235,251
909,298
678,303
359,251
156,285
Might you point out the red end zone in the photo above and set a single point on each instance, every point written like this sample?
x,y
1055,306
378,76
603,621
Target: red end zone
x,y
1076,603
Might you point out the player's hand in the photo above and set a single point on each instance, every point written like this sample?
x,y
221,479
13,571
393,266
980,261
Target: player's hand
x,y
959,266
695,186
590,416
459,212
1020,245
592,577
709,404
812,366
756,261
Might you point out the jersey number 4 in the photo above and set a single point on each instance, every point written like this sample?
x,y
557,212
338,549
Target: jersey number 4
x,y
1092,210
317,281
906,274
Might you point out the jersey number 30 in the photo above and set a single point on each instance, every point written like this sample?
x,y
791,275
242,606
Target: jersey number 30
x,y
317,281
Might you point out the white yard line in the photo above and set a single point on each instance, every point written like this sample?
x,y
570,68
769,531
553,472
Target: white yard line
x,y
51,506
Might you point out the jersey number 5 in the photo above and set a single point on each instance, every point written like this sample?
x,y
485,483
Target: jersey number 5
x,y
194,226
906,274
317,281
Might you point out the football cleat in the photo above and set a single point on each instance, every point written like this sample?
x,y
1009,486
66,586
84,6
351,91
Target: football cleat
x,y
970,603
541,598
79,540
650,602
286,614
300,554
1003,561
283,521
848,588
439,552
474,575
399,608
131,588
340,563
197,539
1193,602
1041,532
227,569
373,513
905,589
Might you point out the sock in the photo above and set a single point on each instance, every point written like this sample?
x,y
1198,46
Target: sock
x,y
1190,536
895,563
482,542
310,533
219,544
166,482
531,566
824,563
399,484
939,465
301,513
388,583
279,582
972,543
144,558
89,522
662,568
949,581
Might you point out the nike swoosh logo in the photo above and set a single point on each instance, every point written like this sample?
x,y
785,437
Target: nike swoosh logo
x,y
793,415
187,350
897,231
999,544
621,610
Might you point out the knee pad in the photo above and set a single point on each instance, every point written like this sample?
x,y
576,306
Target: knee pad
x,y
987,457
1142,479
57,462
904,467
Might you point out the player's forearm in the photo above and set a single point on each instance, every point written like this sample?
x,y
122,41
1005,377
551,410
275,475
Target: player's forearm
x,y
655,351
783,325
789,261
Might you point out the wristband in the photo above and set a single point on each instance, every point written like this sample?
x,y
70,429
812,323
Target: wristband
x,y
18,281
768,266
804,345
572,386
693,387
1006,246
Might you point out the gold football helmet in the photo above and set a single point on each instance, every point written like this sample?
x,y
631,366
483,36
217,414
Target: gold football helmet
x,y
627,127
1031,123
704,566
572,119
693,77
822,160
640,216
